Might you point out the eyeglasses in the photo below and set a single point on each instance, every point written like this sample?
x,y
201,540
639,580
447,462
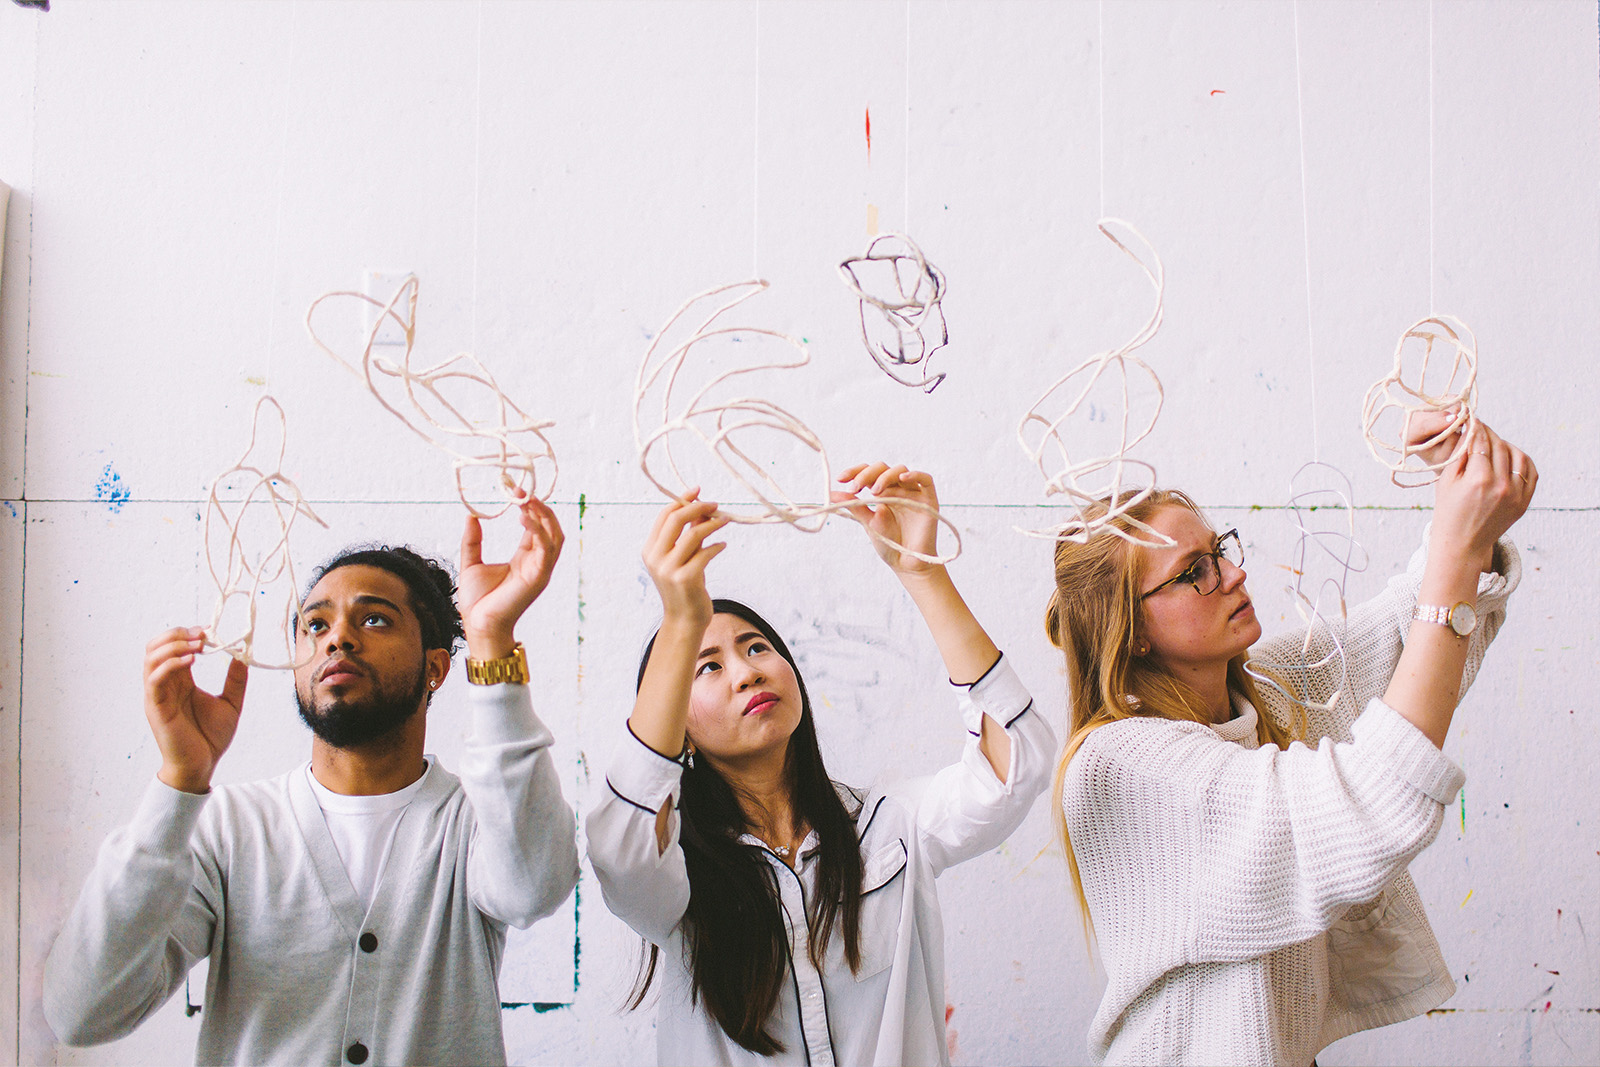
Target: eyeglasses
x,y
1205,573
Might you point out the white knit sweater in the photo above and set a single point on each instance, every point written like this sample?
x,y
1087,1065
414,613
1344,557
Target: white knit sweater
x,y
1251,905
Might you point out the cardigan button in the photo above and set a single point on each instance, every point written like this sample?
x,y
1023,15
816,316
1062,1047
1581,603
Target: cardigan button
x,y
356,1053
369,943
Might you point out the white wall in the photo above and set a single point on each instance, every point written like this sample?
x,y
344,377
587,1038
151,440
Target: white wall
x,y
189,176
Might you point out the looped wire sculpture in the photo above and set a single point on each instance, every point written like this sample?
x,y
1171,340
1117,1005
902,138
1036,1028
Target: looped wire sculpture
x,y
1326,550
718,425
1395,392
1070,475
507,439
913,312
237,576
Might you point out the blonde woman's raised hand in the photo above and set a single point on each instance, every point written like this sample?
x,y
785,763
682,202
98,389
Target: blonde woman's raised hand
x,y
1480,494
917,528
193,728
676,555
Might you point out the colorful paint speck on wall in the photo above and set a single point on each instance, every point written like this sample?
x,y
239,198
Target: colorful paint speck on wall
x,y
111,490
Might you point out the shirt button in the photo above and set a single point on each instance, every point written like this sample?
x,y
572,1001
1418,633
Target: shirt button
x,y
356,1053
369,943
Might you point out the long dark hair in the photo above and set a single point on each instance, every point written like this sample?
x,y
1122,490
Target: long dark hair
x,y
734,930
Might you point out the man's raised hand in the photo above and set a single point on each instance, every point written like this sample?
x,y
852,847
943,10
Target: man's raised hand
x,y
193,728
493,596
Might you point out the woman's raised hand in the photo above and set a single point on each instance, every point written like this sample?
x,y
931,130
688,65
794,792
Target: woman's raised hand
x,y
917,528
1483,490
676,555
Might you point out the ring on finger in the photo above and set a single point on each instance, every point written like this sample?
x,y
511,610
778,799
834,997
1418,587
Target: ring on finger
x,y
1519,474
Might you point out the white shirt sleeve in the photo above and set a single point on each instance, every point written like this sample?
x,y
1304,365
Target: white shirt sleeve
x,y
964,810
1194,848
145,916
644,886
523,859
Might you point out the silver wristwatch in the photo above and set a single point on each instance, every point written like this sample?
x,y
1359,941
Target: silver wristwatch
x,y
1460,617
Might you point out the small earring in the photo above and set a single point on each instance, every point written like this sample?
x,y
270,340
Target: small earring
x,y
1143,649
433,685
688,757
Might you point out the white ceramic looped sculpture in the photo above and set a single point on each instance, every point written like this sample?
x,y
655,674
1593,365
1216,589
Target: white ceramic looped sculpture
x,y
502,437
913,310
242,577
719,424
1326,553
1406,389
1090,483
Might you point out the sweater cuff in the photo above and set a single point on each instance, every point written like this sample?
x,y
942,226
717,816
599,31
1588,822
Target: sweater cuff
x,y
1415,759
165,818
642,776
999,694
503,715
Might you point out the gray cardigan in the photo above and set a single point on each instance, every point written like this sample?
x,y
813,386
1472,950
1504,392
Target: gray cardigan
x,y
249,875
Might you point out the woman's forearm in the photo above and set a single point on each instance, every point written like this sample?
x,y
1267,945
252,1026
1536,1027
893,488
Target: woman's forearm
x,y
661,710
964,645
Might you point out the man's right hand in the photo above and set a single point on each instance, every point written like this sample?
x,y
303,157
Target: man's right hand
x,y
192,727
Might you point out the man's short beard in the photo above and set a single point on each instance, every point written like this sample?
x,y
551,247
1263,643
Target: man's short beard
x,y
350,724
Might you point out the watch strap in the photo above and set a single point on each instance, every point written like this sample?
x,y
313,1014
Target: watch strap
x,y
510,668
1438,613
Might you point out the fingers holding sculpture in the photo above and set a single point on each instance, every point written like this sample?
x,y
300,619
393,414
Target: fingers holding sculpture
x,y
899,510
493,596
192,728
676,556
1481,492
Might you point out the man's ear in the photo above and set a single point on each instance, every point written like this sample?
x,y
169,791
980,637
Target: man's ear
x,y
438,667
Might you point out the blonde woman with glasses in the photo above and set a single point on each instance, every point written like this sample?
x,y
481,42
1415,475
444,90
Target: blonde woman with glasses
x,y
1242,860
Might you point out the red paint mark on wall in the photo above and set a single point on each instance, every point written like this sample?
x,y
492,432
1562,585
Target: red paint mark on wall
x,y
949,1034
869,135
1219,92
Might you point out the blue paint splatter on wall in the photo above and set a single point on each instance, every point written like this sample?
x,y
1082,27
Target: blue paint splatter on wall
x,y
111,489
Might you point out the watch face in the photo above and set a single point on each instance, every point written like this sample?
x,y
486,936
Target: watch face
x,y
1463,619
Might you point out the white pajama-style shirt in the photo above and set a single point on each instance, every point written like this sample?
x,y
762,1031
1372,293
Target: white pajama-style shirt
x,y
891,1011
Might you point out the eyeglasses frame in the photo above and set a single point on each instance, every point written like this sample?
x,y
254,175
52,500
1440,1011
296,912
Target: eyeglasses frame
x,y
1187,574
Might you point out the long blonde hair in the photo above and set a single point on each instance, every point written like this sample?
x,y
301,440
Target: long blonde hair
x,y
1095,618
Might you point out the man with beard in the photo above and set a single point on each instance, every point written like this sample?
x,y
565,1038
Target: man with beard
x,y
355,908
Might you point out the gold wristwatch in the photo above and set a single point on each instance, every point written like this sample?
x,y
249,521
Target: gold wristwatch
x,y
512,668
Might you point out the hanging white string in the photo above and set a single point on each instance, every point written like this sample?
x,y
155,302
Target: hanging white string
x,y
1100,58
1305,232
242,577
1071,477
905,206
755,162
1326,553
1407,394
718,425
504,438
913,310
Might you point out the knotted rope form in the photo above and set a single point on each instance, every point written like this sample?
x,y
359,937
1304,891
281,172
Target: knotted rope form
x,y
1325,555
503,437
1397,391
912,311
719,425
239,574
1092,482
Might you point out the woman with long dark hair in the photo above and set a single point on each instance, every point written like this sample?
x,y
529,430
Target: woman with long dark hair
x,y
792,919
